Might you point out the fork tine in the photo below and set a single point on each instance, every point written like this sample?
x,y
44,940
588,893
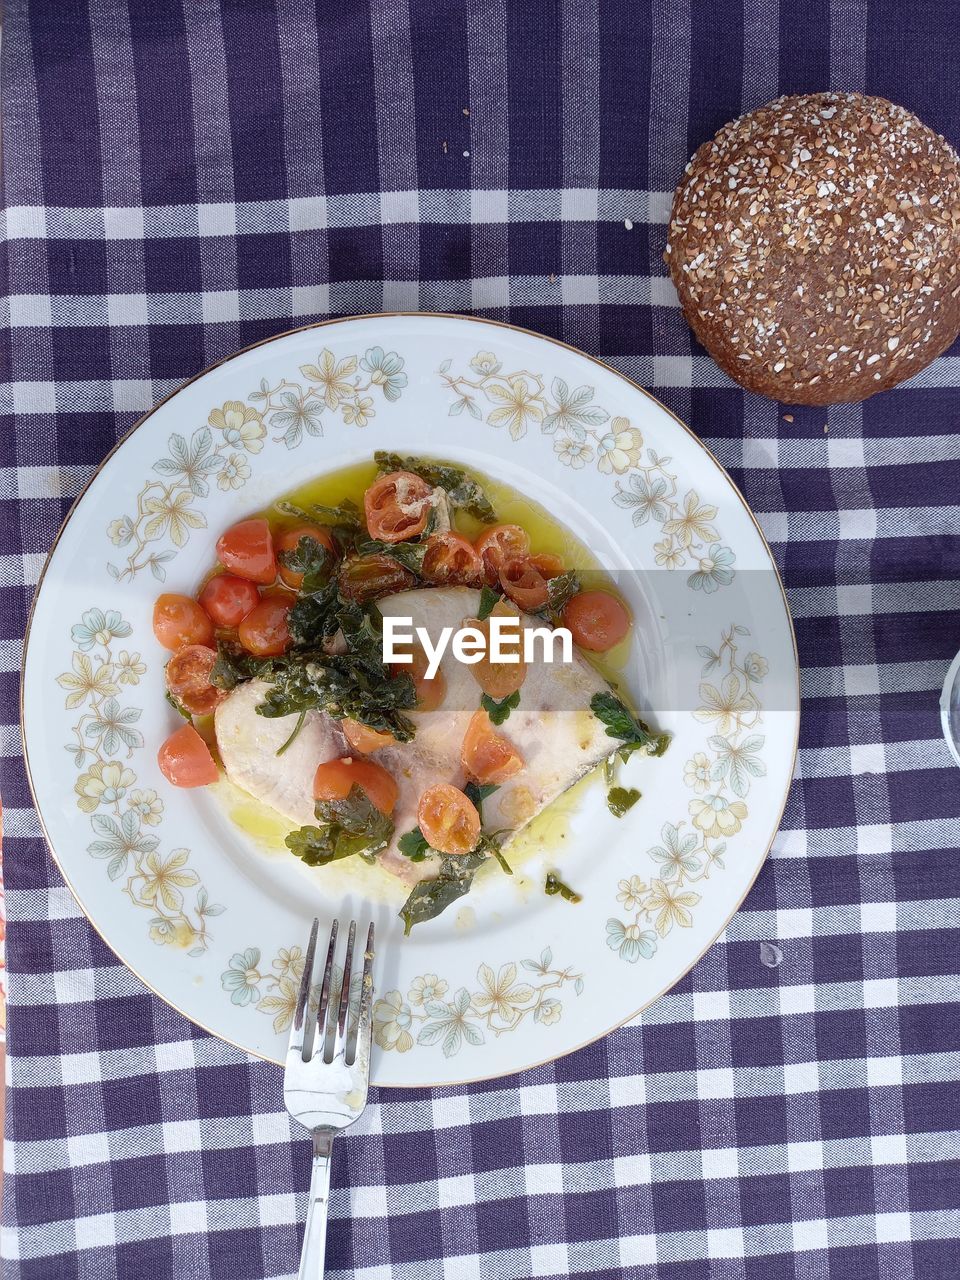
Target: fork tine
x,y
345,985
364,1020
321,1018
303,995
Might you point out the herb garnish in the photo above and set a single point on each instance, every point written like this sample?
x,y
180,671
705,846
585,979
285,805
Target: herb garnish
x,y
413,845
430,897
633,733
312,559
410,554
621,799
500,711
454,879
345,827
342,522
554,885
462,490
561,588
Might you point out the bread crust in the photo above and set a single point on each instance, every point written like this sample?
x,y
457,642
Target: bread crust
x,y
815,247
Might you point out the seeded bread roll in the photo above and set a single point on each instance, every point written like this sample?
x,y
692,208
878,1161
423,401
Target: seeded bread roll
x,y
815,246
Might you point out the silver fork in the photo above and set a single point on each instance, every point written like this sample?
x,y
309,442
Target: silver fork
x,y
325,1086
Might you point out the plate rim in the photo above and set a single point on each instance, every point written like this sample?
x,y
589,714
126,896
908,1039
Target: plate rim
x,y
406,315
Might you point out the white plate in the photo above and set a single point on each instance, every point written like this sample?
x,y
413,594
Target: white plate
x,y
211,923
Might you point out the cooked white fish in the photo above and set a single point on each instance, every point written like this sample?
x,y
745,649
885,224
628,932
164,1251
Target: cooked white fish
x,y
553,729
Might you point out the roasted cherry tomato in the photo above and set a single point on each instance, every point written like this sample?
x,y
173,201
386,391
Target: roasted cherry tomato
x,y
246,549
499,543
397,506
289,540
449,821
547,564
178,620
185,759
597,620
430,692
334,780
263,632
364,739
487,755
188,679
451,560
228,599
524,583
370,577
499,679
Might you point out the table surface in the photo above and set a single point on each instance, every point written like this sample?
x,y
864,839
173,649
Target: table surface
x,y
180,181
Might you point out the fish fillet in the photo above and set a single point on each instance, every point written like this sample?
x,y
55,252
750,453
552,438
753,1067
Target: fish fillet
x,y
553,729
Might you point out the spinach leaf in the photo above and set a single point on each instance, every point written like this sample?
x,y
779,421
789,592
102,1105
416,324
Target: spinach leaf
x,y
343,686
555,885
500,711
560,589
488,602
233,666
312,559
413,845
462,490
621,799
346,514
633,733
345,827
430,897
344,522
409,554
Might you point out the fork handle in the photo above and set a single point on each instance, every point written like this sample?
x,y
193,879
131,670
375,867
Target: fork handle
x,y
315,1232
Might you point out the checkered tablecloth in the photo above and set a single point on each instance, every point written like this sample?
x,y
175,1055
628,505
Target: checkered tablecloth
x,y
183,179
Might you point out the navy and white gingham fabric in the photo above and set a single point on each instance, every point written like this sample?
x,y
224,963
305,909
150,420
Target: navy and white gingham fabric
x,y
181,179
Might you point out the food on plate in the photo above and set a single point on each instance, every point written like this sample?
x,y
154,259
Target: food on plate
x,y
415,760
185,759
815,246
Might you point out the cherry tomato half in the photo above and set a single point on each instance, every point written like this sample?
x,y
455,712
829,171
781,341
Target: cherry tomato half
x,y
364,739
178,620
449,821
499,679
397,506
228,599
334,780
499,543
370,577
597,620
246,549
185,759
188,679
524,583
263,632
487,755
451,560
289,540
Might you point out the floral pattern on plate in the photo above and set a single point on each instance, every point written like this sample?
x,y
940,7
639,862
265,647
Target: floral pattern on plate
x,y
584,434
124,817
431,1014
224,450
720,780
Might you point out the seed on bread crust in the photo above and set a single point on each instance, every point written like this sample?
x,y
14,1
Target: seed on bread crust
x,y
815,247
